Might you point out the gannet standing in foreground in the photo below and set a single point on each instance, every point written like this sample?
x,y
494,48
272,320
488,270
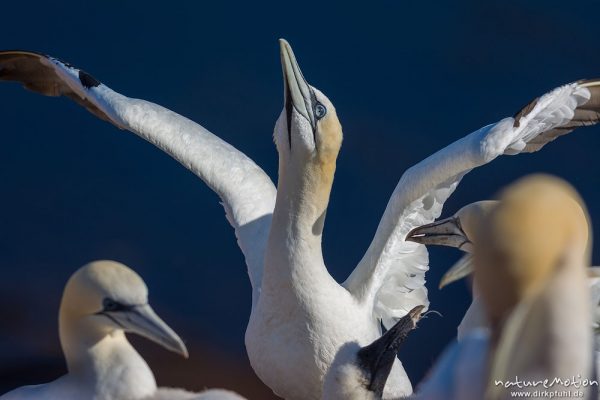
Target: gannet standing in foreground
x,y
102,301
459,231
305,314
357,373
530,267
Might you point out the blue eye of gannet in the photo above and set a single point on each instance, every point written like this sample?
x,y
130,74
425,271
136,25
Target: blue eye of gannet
x,y
320,110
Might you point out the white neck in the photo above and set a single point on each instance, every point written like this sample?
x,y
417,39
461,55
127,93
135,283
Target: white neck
x,y
103,362
294,246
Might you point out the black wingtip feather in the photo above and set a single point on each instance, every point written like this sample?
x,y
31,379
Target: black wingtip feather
x,y
87,80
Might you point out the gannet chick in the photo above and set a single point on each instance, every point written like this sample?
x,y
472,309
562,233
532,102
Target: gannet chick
x,y
530,267
360,373
102,301
459,231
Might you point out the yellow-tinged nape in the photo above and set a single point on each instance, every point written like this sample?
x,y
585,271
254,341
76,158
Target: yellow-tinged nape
x,y
329,135
538,223
320,171
308,136
530,268
328,142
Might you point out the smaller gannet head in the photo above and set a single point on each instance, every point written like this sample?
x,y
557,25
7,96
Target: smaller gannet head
x,y
105,297
361,373
456,231
308,132
538,227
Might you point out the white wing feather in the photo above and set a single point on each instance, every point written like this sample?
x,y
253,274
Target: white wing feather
x,y
391,275
246,192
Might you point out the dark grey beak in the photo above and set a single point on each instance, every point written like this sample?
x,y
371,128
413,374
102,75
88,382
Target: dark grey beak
x,y
445,232
377,358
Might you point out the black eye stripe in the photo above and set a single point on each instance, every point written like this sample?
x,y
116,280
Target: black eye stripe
x,y
460,228
288,112
316,111
110,305
313,103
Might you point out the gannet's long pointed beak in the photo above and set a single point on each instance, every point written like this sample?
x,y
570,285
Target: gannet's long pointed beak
x,y
143,320
298,93
378,357
445,232
461,269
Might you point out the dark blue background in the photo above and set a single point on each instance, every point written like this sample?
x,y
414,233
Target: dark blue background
x,y
406,79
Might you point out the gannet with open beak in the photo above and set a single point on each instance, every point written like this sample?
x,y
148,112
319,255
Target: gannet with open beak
x,y
360,373
530,266
389,280
459,231
102,301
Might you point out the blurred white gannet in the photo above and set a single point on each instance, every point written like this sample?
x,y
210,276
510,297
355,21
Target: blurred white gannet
x,y
305,314
530,267
102,301
459,231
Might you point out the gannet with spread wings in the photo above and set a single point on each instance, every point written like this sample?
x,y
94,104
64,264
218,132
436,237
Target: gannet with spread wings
x,y
313,314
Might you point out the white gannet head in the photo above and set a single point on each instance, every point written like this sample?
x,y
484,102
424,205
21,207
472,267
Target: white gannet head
x,y
105,298
308,134
530,268
457,231
361,373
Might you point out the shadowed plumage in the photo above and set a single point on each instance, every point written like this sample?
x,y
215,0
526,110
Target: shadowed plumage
x,y
530,268
102,301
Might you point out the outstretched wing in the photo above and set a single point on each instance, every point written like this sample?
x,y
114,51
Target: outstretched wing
x,y
391,274
247,193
